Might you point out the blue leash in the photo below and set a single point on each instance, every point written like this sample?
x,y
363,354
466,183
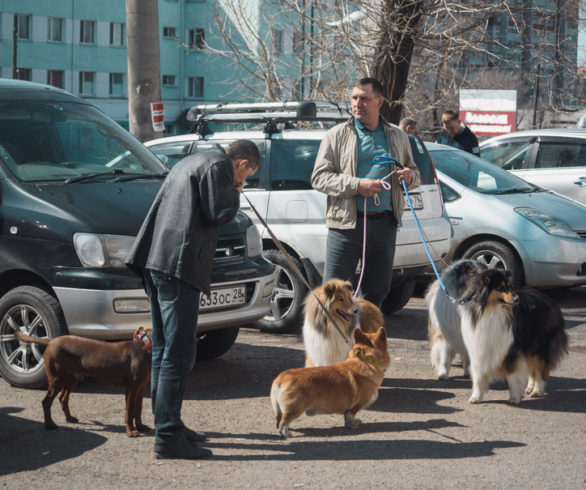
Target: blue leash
x,y
386,160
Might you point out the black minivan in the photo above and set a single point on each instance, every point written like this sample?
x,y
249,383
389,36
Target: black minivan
x,y
74,190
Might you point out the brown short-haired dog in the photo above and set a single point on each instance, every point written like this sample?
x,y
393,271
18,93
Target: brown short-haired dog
x,y
69,358
345,387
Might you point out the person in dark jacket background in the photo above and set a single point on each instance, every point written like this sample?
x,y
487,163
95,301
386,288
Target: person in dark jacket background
x,y
174,253
457,134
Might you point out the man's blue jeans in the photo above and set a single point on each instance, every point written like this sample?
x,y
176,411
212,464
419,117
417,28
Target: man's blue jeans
x,y
174,311
344,250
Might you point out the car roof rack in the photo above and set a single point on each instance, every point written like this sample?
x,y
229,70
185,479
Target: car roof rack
x,y
270,113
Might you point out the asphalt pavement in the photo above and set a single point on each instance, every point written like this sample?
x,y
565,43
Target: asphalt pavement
x,y
420,433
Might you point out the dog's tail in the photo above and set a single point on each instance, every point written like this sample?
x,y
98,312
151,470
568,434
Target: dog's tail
x,y
31,340
275,389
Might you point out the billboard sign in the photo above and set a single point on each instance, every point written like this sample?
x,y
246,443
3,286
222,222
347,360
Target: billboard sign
x,y
489,112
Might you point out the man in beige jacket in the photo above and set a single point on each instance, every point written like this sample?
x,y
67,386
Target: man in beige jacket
x,y
346,171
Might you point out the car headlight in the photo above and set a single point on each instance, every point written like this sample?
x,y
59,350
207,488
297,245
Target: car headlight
x,y
99,251
549,224
253,242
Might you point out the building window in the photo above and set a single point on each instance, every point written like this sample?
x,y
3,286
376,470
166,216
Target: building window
x,y
55,29
169,33
169,80
24,26
195,87
24,74
278,41
55,78
86,82
117,34
87,31
197,38
116,84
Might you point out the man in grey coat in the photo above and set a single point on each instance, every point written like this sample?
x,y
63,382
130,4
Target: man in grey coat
x,y
174,253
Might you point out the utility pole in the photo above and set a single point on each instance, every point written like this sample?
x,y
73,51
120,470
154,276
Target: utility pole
x,y
14,48
144,66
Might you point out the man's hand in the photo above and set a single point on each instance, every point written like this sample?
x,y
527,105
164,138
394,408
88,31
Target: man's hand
x,y
369,187
406,175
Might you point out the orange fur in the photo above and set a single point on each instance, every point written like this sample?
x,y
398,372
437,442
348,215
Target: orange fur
x,y
345,387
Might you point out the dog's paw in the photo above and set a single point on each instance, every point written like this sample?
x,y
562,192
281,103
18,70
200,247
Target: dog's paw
x,y
443,376
475,399
284,431
50,425
351,422
514,400
72,420
132,433
143,428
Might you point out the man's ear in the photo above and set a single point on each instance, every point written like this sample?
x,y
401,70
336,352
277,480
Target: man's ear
x,y
243,162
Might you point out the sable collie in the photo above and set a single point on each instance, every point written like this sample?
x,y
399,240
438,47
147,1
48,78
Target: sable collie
x,y
445,334
323,342
345,387
514,335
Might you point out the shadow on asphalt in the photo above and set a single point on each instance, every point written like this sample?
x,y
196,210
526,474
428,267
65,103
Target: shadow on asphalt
x,y
50,447
295,449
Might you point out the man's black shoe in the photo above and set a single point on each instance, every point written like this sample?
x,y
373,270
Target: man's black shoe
x,y
182,449
194,436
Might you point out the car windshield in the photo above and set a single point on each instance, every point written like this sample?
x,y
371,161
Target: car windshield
x,y
477,174
68,141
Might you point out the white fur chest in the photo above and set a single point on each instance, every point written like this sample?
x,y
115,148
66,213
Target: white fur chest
x,y
324,350
489,340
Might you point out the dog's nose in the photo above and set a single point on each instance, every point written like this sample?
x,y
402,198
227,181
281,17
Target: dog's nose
x,y
515,299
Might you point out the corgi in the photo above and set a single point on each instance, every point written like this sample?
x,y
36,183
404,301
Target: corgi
x,y
445,335
517,335
324,344
345,387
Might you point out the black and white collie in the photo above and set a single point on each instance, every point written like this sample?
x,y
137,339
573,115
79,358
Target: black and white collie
x,y
445,333
514,335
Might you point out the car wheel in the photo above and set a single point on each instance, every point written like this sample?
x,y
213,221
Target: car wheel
x,y
398,296
214,343
287,299
496,254
33,312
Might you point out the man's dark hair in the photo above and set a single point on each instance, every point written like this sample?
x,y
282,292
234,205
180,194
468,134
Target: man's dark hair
x,y
450,115
377,87
246,150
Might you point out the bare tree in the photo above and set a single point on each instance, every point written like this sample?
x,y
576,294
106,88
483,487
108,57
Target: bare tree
x,y
423,51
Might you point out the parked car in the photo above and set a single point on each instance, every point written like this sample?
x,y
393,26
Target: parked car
x,y
75,188
506,222
288,138
551,158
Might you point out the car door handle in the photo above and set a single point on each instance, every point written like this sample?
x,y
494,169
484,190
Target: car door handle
x,y
581,181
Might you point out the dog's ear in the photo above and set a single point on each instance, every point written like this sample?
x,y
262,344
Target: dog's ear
x,y
360,337
329,289
381,337
348,285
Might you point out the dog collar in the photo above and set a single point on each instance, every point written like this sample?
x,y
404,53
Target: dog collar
x,y
368,359
142,336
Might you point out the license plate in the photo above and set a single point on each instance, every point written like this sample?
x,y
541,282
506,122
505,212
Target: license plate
x,y
223,298
415,200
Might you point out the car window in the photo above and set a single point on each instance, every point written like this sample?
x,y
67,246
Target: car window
x,y
292,163
448,194
509,155
556,155
173,151
46,141
421,158
476,173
